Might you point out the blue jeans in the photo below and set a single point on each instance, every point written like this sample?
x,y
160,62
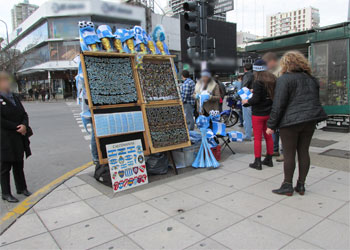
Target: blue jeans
x,y
189,110
247,123
93,144
276,141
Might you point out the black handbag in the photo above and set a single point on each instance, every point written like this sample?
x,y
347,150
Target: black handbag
x,y
29,132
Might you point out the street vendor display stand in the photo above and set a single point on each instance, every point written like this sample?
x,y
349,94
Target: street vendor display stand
x,y
140,103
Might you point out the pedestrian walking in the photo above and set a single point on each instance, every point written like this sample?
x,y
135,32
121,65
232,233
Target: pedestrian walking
x,y
248,79
53,94
261,103
207,83
187,90
36,94
273,66
15,132
43,94
295,111
30,93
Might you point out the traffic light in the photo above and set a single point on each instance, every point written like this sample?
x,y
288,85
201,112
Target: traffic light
x,y
191,16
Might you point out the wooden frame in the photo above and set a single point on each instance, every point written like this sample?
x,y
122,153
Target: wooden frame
x,y
140,102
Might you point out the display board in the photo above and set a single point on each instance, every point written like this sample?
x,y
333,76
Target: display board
x,y
122,100
157,81
127,165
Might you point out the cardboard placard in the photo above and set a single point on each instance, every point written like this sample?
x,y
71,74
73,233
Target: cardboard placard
x,y
127,165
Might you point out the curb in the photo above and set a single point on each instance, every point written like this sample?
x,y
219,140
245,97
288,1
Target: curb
x,y
7,220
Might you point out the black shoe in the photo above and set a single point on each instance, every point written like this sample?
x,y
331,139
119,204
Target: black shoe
x,y
9,198
267,161
256,164
285,189
300,188
24,192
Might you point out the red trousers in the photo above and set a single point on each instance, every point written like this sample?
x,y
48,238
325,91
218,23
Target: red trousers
x,y
259,129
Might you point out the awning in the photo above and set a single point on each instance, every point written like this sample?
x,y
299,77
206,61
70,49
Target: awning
x,y
50,66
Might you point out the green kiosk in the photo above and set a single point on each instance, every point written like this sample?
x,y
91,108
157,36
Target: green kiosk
x,y
328,49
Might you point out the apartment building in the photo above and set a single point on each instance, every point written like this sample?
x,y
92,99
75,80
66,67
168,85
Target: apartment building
x,y
21,12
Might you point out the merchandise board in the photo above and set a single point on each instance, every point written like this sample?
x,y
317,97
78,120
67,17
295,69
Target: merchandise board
x,y
124,118
127,165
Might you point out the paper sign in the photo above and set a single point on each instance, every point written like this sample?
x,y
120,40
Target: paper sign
x,y
127,165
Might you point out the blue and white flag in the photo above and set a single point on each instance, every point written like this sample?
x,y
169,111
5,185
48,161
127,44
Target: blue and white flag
x,y
235,136
219,128
104,31
245,93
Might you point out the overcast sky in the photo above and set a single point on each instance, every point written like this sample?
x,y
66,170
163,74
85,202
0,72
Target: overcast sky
x,y
250,15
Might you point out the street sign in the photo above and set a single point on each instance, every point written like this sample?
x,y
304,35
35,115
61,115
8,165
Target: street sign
x,y
222,6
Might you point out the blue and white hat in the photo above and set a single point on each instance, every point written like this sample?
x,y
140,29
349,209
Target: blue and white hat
x,y
104,31
259,65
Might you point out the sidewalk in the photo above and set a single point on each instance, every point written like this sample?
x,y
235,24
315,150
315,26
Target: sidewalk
x,y
231,207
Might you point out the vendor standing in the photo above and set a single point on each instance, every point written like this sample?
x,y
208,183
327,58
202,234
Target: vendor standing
x,y
14,140
187,90
207,83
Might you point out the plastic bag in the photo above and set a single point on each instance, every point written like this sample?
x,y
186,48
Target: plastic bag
x,y
157,164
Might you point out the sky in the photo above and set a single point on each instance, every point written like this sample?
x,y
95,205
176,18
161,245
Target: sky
x,y
250,15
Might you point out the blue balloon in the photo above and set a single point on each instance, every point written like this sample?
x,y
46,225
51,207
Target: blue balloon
x,y
202,121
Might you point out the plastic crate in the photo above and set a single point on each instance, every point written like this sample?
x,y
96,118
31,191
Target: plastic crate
x,y
217,152
184,157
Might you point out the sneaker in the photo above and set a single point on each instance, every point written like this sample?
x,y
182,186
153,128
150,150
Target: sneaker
x,y
280,158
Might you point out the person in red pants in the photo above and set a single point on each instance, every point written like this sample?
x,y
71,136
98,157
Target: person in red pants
x,y
261,102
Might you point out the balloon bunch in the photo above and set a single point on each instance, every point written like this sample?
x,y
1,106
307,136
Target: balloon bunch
x,y
205,157
135,40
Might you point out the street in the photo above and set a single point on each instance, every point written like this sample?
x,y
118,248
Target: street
x,y
58,145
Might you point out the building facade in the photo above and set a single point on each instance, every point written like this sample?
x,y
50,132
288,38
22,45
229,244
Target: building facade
x,y
292,21
176,7
48,41
21,12
245,37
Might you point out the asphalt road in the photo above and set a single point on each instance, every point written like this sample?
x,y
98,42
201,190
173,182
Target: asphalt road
x,y
58,145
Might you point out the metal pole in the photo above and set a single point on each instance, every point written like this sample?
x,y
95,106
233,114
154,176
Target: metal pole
x,y
203,29
7,32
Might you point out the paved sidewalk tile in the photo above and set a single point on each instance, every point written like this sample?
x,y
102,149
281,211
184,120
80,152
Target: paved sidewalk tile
x,y
234,165
265,173
103,204
186,182
86,234
207,244
331,189
213,173
123,243
175,203
339,177
208,219
300,245
329,235
66,215
209,191
313,203
39,242
342,215
278,179
150,193
168,234
264,190
243,203
136,217
251,235
57,198
74,181
86,191
237,181
319,173
288,220
24,227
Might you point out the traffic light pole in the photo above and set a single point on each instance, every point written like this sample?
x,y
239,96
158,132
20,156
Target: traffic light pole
x,y
203,27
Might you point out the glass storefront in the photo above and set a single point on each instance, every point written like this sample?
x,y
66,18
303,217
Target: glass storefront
x,y
66,27
36,56
64,50
329,61
35,37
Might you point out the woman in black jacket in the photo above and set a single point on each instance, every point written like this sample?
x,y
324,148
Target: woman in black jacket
x,y
296,110
261,102
14,140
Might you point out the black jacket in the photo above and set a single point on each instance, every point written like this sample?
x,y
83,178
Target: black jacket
x,y
248,79
296,101
261,102
13,144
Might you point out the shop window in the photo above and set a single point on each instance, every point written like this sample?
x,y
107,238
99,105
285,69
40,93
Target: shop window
x,y
64,50
65,27
32,39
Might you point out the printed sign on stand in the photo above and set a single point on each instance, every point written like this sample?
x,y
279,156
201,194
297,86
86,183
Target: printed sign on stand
x,y
127,165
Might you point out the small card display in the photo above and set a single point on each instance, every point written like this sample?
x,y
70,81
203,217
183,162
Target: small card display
x,y
127,165
110,80
118,123
167,125
157,81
